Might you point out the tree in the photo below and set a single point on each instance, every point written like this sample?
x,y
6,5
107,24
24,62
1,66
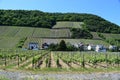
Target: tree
x,y
62,46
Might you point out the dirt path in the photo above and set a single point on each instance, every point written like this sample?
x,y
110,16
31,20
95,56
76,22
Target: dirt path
x,y
29,66
23,63
53,62
63,64
43,65
64,76
74,65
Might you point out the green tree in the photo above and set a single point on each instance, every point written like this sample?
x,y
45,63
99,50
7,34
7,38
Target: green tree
x,y
62,46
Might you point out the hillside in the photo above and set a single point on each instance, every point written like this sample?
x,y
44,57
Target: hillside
x,y
13,31
41,19
11,35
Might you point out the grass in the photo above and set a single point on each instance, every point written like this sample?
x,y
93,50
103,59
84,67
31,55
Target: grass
x,y
3,78
64,70
68,24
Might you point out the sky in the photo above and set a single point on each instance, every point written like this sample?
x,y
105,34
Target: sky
x,y
107,9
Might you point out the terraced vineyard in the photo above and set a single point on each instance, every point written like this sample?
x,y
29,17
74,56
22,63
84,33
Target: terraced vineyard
x,y
106,35
8,42
62,60
68,25
8,31
114,36
10,36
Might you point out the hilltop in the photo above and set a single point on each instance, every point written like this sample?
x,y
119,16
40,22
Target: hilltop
x,y
34,18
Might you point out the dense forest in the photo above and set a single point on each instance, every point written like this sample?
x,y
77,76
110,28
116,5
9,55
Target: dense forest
x,y
34,18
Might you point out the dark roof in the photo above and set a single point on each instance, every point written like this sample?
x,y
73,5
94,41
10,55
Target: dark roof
x,y
33,43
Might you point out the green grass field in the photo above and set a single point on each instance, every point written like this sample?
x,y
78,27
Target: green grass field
x,y
68,25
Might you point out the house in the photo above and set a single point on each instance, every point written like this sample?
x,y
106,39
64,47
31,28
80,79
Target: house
x,y
76,45
112,47
81,46
100,48
91,47
33,46
45,45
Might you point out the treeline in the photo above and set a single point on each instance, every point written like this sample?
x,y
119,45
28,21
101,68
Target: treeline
x,y
36,18
26,18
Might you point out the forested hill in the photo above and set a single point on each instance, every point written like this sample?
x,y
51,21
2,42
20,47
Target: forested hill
x,y
36,18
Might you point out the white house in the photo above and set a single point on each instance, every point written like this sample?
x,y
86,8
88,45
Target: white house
x,y
91,47
33,46
76,45
112,47
100,48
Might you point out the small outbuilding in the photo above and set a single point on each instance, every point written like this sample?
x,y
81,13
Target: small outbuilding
x,y
45,45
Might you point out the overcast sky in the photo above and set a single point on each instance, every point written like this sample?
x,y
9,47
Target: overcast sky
x,y
107,9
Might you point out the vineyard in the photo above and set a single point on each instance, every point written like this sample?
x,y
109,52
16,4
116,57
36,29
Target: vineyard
x,y
68,25
10,35
57,60
111,36
106,35
12,31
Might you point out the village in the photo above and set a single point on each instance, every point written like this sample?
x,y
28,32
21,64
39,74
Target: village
x,y
80,46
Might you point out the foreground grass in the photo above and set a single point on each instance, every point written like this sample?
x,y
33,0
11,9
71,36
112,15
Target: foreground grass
x,y
65,70
3,78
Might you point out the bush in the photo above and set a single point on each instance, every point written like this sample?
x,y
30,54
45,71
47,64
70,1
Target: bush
x,y
81,33
62,47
